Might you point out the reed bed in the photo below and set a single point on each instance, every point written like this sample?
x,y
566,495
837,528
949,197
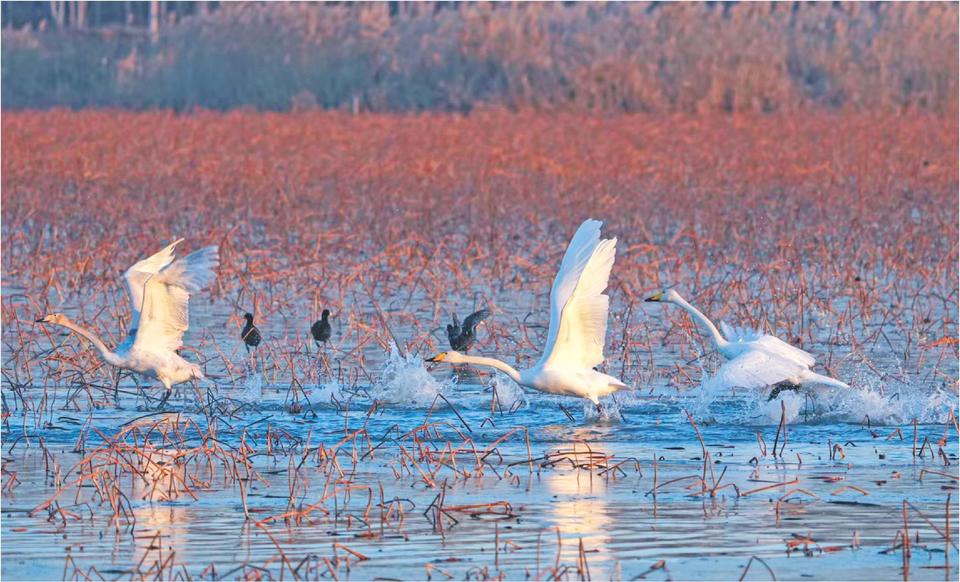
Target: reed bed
x,y
838,233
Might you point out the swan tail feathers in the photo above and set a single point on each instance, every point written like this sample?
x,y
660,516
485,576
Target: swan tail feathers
x,y
821,380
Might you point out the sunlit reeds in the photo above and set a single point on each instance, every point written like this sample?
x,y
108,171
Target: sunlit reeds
x,y
837,232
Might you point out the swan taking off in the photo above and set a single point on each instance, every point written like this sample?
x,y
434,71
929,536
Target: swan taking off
x,y
578,325
159,289
754,359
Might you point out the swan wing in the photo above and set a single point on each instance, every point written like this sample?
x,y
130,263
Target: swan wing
x,y
755,368
735,333
771,344
136,279
781,349
165,315
578,307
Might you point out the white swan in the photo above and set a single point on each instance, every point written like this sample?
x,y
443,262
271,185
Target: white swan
x,y
578,325
159,289
755,359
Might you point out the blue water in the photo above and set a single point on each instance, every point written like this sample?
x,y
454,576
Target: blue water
x,y
567,483
343,436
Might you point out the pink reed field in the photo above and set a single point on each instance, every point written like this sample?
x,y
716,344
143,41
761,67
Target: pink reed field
x,y
378,441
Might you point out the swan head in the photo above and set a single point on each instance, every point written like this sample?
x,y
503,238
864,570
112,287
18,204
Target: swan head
x,y
665,296
449,357
54,318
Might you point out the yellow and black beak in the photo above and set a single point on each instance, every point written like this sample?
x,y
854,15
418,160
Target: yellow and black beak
x,y
655,297
437,358
42,319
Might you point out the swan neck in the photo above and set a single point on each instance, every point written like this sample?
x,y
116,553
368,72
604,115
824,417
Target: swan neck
x,y
105,352
704,322
494,363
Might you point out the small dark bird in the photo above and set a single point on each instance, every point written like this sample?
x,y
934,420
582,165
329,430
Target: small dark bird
x,y
321,329
454,330
250,334
463,337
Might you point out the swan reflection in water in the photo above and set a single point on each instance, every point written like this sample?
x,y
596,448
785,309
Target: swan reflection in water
x,y
161,492
578,504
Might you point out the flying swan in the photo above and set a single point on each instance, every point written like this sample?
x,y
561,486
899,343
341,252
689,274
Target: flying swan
x,y
754,359
578,325
159,289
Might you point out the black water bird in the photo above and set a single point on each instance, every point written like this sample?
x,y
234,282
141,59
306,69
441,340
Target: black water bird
x,y
321,330
250,334
463,337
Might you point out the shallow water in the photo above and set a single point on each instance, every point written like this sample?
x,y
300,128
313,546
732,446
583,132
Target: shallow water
x,y
589,476
814,525
836,233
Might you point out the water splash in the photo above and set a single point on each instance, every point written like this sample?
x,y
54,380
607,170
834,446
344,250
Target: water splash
x,y
884,402
787,405
329,392
857,405
609,411
509,394
252,390
703,400
406,382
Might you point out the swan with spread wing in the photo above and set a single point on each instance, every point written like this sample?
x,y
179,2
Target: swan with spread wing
x,y
754,359
578,325
159,289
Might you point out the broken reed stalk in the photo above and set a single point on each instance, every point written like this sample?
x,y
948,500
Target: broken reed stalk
x,y
750,562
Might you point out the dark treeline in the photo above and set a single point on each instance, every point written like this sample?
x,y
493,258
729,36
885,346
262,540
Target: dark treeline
x,y
448,56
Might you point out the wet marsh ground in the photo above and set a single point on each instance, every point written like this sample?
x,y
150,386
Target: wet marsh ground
x,y
354,460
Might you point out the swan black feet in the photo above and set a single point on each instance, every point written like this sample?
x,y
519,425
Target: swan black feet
x,y
163,400
778,388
